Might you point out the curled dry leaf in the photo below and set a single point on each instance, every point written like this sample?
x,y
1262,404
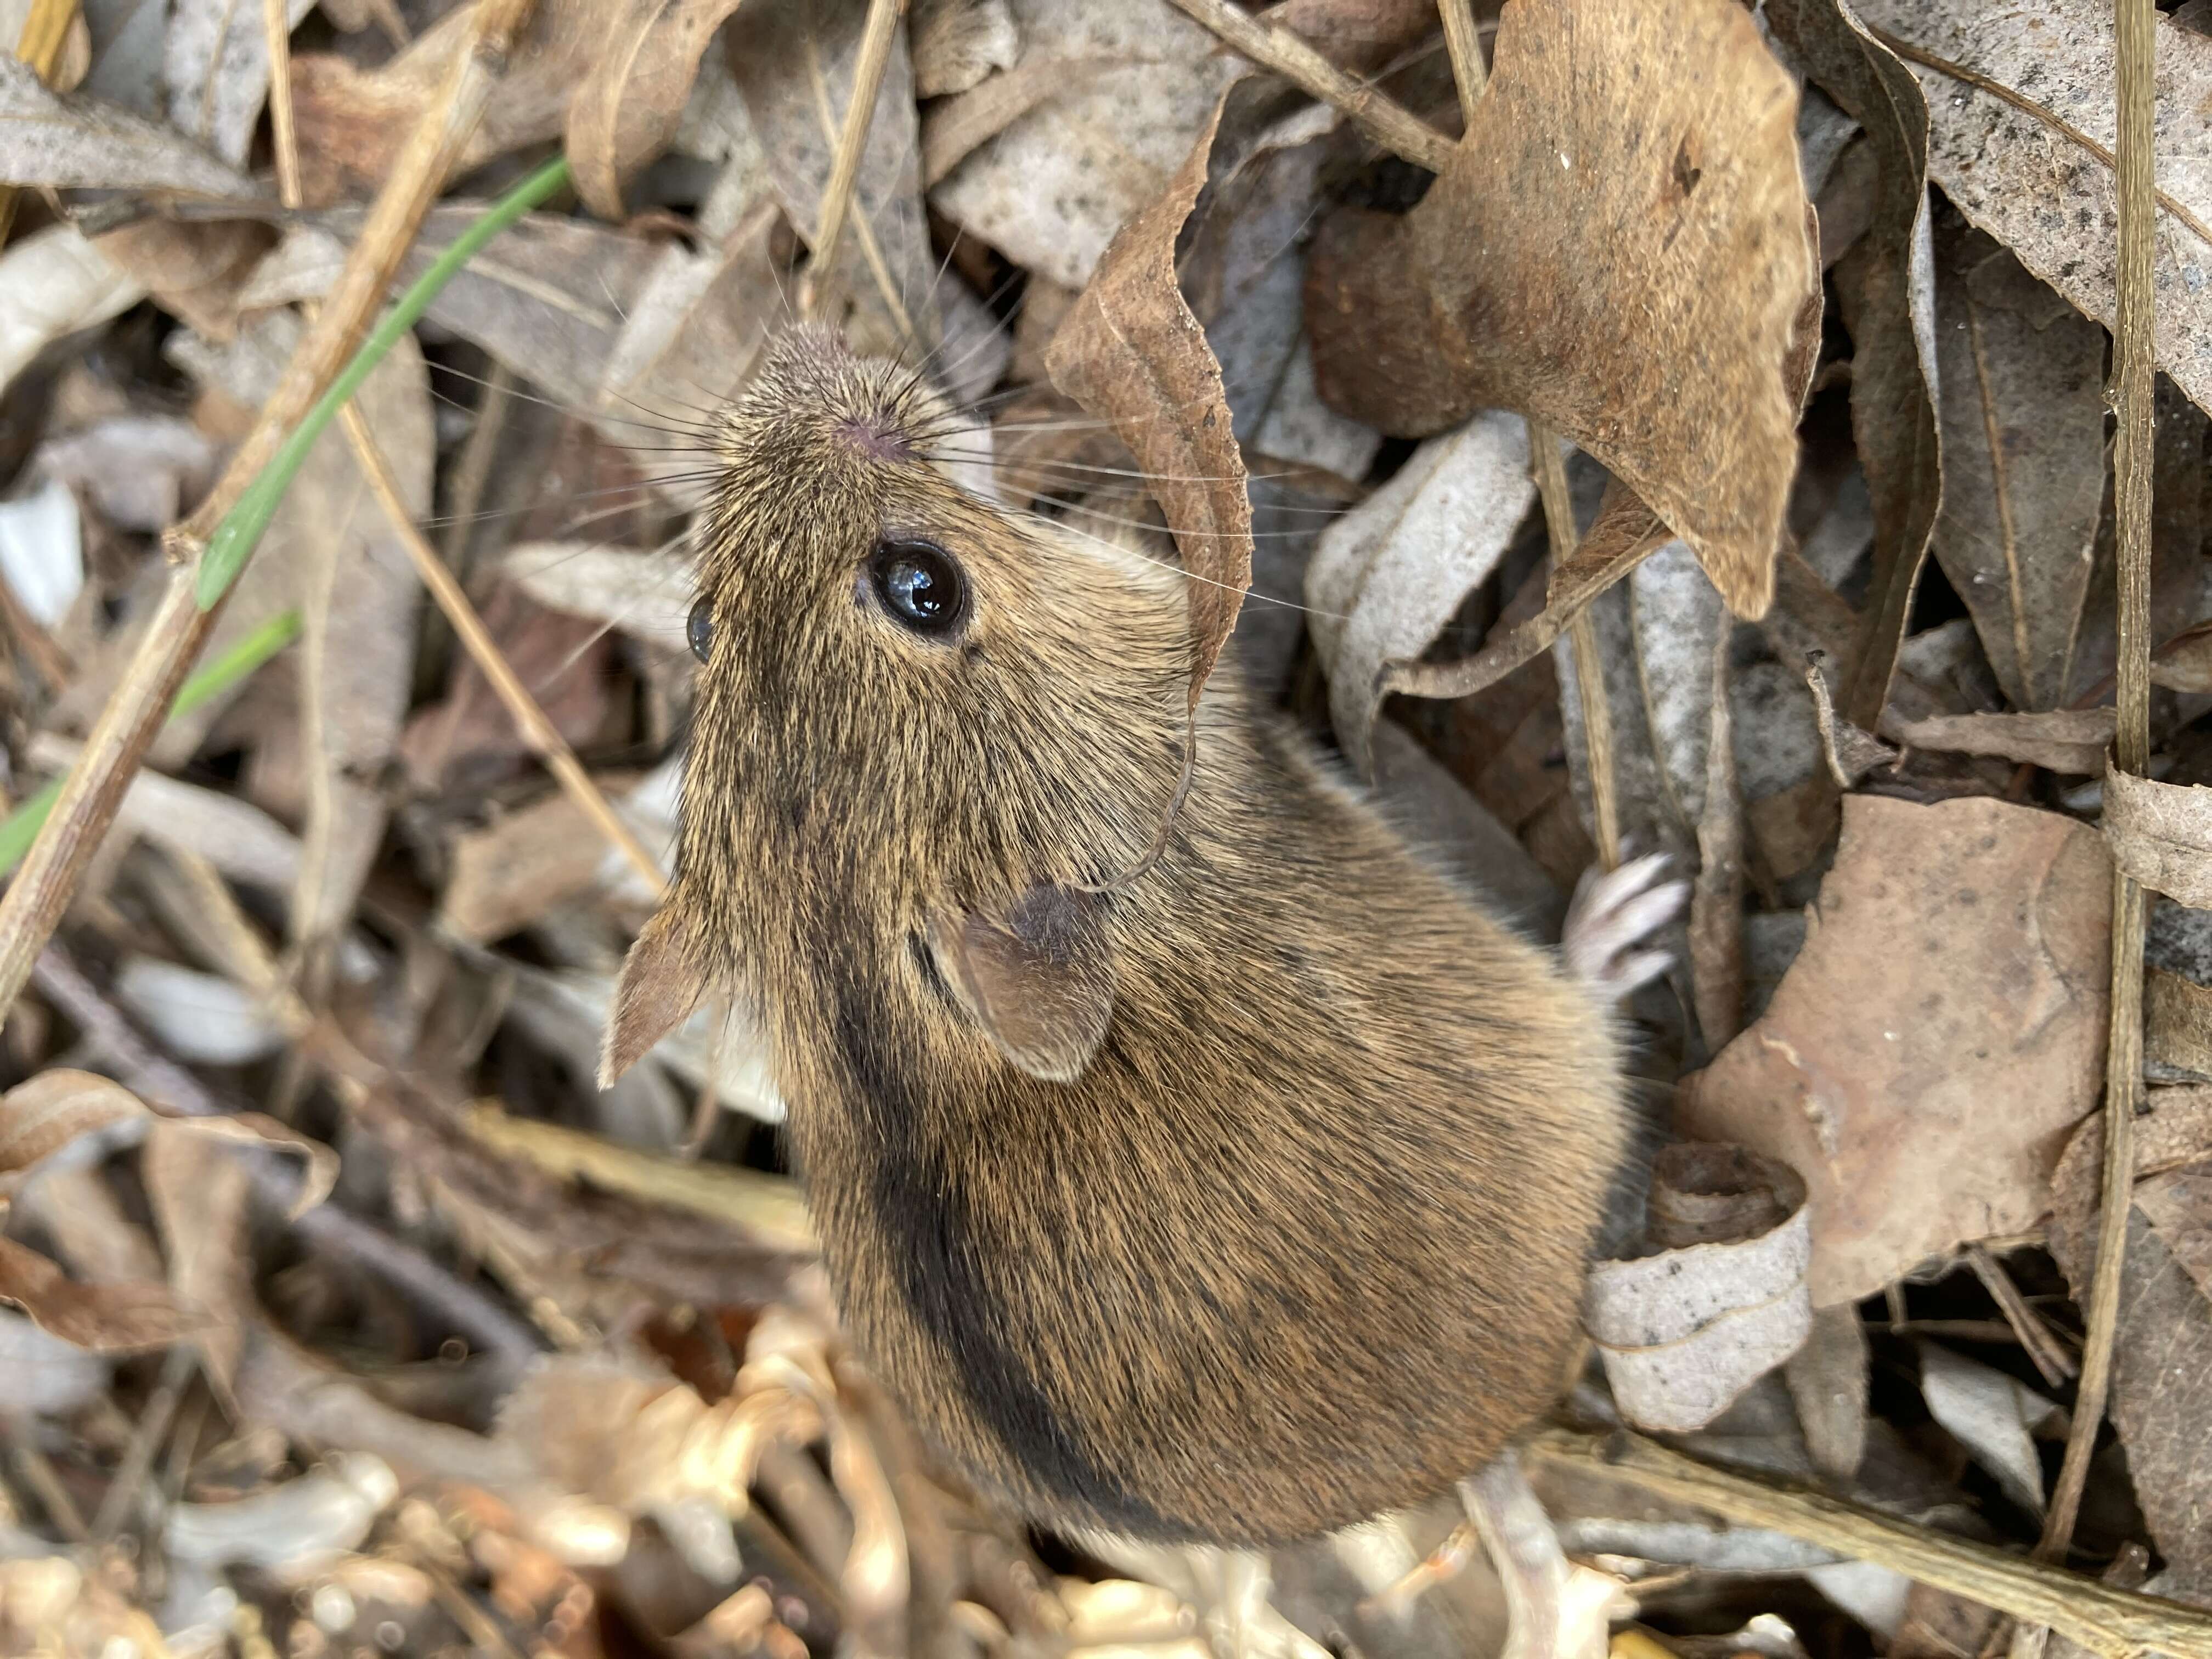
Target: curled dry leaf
x,y
1886,289
2064,739
1621,248
1939,1033
65,141
1851,753
1388,576
1131,353
2161,835
642,69
1624,534
1722,1301
955,43
2022,379
2015,172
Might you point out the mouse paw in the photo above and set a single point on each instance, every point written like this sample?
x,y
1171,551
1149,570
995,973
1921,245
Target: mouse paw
x,y
1614,912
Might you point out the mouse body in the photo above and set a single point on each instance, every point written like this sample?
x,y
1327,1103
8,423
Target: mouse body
x,y
1233,1203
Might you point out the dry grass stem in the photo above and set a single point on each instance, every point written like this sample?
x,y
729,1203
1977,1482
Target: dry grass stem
x,y
1388,123
884,18
127,724
539,731
2136,23
1582,636
1464,41
2117,1623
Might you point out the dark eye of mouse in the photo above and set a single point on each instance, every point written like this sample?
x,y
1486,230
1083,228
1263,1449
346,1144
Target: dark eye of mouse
x,y
919,585
699,628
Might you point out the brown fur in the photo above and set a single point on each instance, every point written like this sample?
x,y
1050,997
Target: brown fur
x,y
1305,1239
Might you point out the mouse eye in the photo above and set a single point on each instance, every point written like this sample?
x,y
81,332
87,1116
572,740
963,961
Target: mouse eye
x,y
919,585
699,629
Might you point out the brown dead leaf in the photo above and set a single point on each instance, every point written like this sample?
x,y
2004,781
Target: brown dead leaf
x,y
2184,663
506,877
1720,1303
1889,303
352,122
1621,248
202,1199
1359,35
469,738
2022,379
2016,174
2174,1131
2161,835
128,1318
1940,1032
1828,1381
2071,740
1387,577
641,71
1131,353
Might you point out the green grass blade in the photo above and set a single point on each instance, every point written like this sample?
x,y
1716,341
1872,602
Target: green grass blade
x,y
21,827
242,529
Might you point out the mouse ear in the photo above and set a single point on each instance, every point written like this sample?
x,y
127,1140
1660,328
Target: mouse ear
x,y
1039,979
663,979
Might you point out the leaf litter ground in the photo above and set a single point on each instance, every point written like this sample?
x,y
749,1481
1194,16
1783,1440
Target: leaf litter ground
x,y
345,1315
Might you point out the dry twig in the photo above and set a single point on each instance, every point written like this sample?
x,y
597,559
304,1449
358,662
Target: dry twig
x,y
882,26
2118,1623
1388,121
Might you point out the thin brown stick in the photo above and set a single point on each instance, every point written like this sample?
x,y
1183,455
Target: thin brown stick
x,y
2037,1339
538,730
2027,106
2136,23
93,789
1464,41
46,32
1582,638
1382,118
2118,1623
882,28
276,31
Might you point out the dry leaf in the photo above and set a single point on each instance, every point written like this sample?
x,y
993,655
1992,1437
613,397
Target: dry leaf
x,y
215,66
1828,1382
1886,286
1052,187
2022,379
293,1524
1940,1032
1991,1414
1621,248
793,61
2064,739
197,1017
468,739
955,43
1131,353
2174,1131
645,594
234,836
641,72
2161,835
2018,177
202,1198
1716,930
1387,577
2177,1023
507,877
955,129
1722,1303
65,141
56,282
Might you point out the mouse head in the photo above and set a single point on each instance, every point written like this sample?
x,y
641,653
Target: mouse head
x,y
924,728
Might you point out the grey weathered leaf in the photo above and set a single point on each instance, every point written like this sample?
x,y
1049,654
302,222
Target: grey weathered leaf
x,y
2019,177
2161,835
1990,1415
56,282
1387,576
70,141
2023,408
215,66
1050,190
643,594
2062,740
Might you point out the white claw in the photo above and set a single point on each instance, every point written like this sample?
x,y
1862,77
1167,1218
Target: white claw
x,y
1614,913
